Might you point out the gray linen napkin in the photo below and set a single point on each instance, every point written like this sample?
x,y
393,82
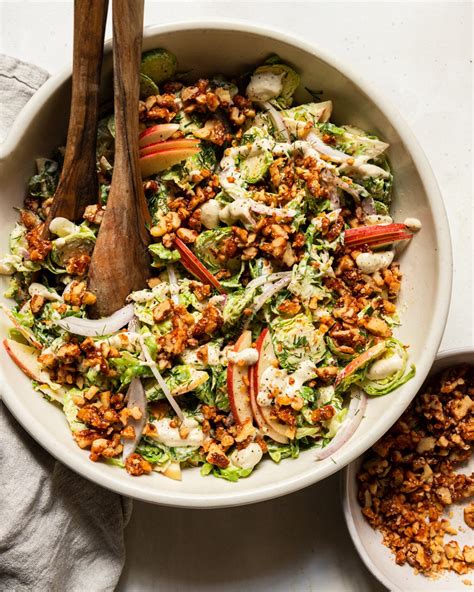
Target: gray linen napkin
x,y
58,531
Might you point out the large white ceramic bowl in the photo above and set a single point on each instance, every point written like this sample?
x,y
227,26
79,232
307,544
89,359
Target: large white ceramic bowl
x,y
368,542
229,47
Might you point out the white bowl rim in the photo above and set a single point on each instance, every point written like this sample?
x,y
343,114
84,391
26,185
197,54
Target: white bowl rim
x,y
284,486
346,486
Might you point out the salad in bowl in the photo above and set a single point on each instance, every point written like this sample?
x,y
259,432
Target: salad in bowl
x,y
270,311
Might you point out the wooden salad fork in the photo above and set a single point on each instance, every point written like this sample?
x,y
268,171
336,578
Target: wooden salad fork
x,y
78,185
120,261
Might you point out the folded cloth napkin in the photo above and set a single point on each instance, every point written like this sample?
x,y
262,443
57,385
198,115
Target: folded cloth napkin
x,y
58,531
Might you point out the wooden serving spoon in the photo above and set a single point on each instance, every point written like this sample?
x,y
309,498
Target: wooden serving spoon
x,y
78,185
120,261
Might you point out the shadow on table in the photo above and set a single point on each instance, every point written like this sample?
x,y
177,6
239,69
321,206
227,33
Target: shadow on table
x,y
295,543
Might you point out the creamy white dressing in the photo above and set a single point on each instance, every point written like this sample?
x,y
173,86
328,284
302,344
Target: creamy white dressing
x,y
305,371
278,381
412,224
385,367
375,219
142,296
36,289
171,437
7,266
264,86
372,262
190,356
248,457
245,357
210,214
238,210
62,227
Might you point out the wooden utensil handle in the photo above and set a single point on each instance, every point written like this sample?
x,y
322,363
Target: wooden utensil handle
x,y
78,184
120,261
127,43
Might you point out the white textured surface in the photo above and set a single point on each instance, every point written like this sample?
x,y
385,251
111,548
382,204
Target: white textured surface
x,y
419,54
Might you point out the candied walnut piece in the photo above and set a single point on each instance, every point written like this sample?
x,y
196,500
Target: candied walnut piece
x,y
85,438
469,515
290,307
209,323
94,214
36,303
78,265
216,456
162,311
377,327
410,477
37,247
136,465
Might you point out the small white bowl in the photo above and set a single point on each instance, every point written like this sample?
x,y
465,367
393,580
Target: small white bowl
x,y
229,47
368,542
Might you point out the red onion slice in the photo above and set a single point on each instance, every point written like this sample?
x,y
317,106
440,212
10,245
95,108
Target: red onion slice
x,y
98,327
277,120
267,294
368,206
316,142
355,414
260,208
135,398
160,379
263,279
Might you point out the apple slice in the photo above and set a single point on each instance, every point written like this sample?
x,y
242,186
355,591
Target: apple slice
x,y
25,331
173,471
156,162
194,266
169,145
263,415
237,383
373,352
157,133
377,235
24,357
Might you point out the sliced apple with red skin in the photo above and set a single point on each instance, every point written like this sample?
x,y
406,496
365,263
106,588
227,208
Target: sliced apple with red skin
x,y
159,161
169,145
266,357
377,235
194,266
25,357
25,331
238,383
157,133
373,352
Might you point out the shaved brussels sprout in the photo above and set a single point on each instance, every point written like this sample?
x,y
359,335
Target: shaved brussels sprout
x,y
274,81
159,65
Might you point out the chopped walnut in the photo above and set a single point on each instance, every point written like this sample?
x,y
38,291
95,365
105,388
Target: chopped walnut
x,y
136,465
94,214
162,311
209,323
409,477
469,515
36,303
168,223
216,456
78,265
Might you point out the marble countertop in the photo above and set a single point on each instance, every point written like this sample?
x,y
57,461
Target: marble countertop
x,y
419,54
